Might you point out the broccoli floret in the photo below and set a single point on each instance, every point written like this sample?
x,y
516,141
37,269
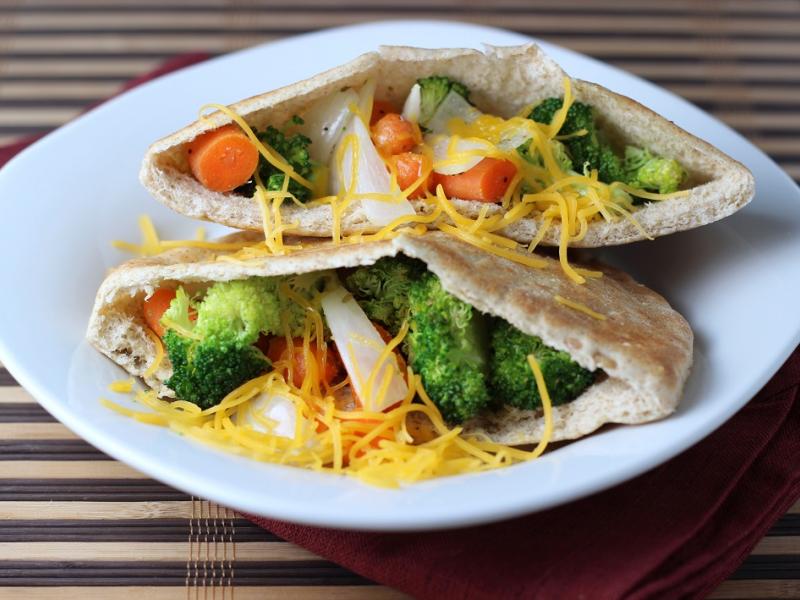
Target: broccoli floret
x,y
433,90
382,289
582,149
178,315
294,150
306,286
610,166
204,373
447,348
510,376
239,310
647,171
586,151
557,148
579,116
214,354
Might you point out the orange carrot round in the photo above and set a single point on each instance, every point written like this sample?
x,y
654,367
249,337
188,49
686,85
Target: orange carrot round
x,y
392,134
222,159
487,181
380,108
409,167
278,350
155,307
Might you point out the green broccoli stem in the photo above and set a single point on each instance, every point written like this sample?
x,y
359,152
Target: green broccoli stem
x,y
447,347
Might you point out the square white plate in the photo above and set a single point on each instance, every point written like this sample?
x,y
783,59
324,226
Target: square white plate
x,y
64,199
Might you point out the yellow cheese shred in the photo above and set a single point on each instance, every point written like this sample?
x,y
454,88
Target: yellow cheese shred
x,y
159,357
579,307
392,228
122,386
547,407
152,244
561,114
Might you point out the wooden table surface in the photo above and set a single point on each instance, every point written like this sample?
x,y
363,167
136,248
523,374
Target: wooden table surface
x,y
76,524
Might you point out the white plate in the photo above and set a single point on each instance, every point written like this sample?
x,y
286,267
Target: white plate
x,y
66,197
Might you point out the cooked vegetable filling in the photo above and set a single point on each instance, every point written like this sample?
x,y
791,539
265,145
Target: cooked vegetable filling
x,y
238,330
552,162
584,148
370,371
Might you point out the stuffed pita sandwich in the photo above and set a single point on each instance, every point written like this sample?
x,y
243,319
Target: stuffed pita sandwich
x,y
392,360
501,141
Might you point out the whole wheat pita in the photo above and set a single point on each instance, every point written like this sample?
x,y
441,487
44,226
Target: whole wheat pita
x,y
502,80
644,347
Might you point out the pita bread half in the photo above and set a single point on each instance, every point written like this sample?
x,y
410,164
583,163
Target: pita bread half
x,y
644,346
502,81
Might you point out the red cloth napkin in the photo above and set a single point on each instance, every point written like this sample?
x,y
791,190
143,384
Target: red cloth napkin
x,y
677,531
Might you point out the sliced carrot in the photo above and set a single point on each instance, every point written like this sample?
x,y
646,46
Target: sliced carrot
x,y
277,349
222,159
380,108
155,307
487,181
410,166
392,134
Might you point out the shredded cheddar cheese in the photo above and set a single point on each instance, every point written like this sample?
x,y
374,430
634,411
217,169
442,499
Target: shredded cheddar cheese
x,y
372,446
579,307
122,386
159,357
152,244
547,407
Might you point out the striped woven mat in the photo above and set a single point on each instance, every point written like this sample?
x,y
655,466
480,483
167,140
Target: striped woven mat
x,y
76,524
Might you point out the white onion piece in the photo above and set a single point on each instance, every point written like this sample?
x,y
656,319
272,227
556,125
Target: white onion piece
x,y
360,346
325,121
441,143
411,108
454,106
277,408
372,176
366,97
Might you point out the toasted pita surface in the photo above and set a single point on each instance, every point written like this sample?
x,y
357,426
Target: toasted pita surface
x,y
502,81
643,346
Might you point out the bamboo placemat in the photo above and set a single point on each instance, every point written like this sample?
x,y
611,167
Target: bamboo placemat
x,y
76,524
